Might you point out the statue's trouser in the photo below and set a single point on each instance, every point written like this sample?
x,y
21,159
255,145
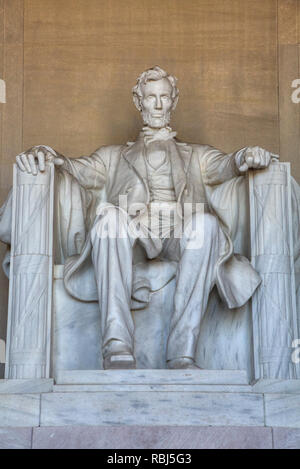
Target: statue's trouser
x,y
197,252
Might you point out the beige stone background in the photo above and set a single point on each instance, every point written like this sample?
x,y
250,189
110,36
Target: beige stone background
x,y
69,66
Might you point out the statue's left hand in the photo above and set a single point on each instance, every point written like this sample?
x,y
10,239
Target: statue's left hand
x,y
256,158
34,160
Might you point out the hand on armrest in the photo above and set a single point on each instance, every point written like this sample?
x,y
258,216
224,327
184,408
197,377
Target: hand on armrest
x,y
253,158
34,160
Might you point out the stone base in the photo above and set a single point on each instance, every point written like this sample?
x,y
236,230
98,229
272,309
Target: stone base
x,y
144,437
149,409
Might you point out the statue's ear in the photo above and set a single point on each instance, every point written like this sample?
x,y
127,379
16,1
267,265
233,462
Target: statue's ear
x,y
175,102
136,100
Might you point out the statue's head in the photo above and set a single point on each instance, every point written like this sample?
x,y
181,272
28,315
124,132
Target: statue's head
x,y
155,95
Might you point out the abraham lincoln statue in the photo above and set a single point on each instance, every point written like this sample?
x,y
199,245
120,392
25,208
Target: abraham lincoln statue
x,y
158,194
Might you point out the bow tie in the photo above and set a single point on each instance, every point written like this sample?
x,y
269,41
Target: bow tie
x,y
151,135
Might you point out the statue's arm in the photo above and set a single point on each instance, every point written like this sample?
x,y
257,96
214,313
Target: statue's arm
x,y
6,220
90,171
218,167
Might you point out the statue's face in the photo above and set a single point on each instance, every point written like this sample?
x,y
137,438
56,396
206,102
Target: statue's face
x,y
156,103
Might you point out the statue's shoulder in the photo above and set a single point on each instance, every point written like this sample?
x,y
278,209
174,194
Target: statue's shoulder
x,y
108,153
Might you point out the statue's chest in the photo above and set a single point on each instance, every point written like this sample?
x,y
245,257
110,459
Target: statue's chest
x,y
156,155
125,179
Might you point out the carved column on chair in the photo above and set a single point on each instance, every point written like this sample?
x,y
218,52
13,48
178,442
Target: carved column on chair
x,y
274,303
30,288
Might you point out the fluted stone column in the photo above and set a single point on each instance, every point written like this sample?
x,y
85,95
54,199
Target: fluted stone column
x,y
274,303
30,288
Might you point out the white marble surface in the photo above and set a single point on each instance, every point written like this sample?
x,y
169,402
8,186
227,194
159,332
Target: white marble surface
x,y
156,437
282,410
224,341
277,386
286,438
152,329
152,388
133,377
149,437
15,438
143,408
19,410
30,287
25,386
141,404
274,309
76,332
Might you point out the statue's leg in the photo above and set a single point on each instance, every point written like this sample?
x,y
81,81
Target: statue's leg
x,y
197,252
112,260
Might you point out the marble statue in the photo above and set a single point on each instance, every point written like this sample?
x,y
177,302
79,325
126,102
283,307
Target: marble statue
x,y
163,196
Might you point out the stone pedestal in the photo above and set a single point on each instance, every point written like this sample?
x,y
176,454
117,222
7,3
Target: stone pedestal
x,y
130,409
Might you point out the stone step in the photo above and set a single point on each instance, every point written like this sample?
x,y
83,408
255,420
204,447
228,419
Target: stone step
x,y
209,388
23,386
151,408
152,377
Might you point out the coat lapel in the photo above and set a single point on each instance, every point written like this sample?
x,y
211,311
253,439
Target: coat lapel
x,y
180,157
134,155
180,161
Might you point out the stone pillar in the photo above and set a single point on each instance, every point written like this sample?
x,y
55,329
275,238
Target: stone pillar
x,y
274,303
30,288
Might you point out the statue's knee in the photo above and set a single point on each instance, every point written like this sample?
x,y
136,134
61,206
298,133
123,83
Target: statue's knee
x,y
107,222
210,224
201,226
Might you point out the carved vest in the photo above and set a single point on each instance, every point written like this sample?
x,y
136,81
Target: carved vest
x,y
159,173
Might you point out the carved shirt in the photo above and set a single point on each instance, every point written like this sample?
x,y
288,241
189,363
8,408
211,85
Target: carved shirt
x,y
162,215
159,173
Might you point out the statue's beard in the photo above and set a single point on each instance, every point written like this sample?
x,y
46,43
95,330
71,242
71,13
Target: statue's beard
x,y
156,122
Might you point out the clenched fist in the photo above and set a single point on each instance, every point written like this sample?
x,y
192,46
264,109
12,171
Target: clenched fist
x,y
34,160
254,157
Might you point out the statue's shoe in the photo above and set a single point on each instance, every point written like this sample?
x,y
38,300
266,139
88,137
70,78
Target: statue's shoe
x,y
183,363
119,361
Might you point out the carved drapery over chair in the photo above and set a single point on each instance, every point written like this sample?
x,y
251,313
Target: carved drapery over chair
x,y
48,330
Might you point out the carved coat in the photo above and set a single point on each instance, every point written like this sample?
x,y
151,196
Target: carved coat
x,y
197,171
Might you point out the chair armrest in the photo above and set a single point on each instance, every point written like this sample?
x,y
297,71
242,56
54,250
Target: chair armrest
x,y
274,311
30,288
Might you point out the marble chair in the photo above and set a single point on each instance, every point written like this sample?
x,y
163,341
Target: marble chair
x,y
50,330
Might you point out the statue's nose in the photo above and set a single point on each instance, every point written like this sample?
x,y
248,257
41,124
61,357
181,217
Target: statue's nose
x,y
158,104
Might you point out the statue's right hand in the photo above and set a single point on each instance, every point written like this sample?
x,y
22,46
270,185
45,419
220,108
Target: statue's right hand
x,y
34,160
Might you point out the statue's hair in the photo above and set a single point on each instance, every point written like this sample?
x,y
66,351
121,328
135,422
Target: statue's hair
x,y
154,74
